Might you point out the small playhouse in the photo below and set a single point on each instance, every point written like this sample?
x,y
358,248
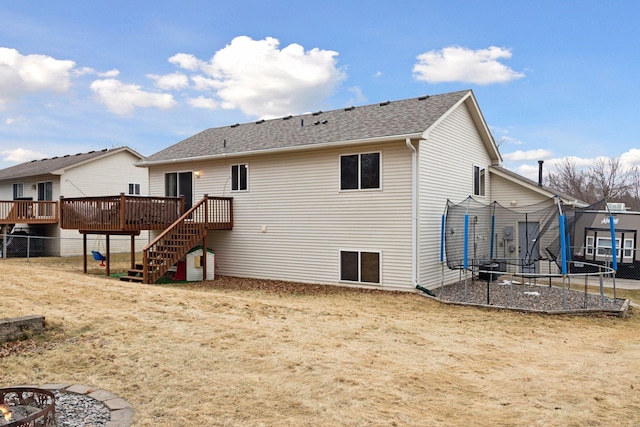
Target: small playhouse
x,y
191,268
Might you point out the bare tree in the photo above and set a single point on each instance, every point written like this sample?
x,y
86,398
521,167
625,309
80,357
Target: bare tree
x,y
606,179
610,180
570,180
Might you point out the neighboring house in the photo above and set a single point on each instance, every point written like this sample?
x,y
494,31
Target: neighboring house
x,y
351,196
593,242
96,173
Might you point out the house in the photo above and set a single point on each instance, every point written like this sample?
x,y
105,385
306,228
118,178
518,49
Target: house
x,y
351,196
29,194
593,239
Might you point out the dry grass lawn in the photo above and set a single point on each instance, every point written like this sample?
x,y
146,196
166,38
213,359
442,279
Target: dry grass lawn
x,y
250,353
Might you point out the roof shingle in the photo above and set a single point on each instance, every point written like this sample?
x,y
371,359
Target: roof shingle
x,y
47,166
397,118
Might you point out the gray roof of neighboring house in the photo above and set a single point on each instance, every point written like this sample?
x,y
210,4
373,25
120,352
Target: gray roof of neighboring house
x,y
48,166
386,119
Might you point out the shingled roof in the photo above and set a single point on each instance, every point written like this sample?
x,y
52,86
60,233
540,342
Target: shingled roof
x,y
53,164
387,119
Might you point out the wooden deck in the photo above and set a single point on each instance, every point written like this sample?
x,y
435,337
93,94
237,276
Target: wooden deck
x,y
28,212
119,214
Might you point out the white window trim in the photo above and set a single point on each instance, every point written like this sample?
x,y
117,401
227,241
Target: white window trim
x,y
359,153
482,185
607,254
360,251
17,185
134,188
177,173
628,249
246,165
589,245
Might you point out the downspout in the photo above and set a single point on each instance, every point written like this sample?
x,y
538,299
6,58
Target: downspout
x,y
414,212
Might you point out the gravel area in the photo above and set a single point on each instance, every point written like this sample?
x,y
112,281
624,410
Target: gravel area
x,y
526,296
78,410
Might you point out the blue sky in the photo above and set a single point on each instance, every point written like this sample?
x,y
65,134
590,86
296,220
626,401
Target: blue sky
x,y
553,78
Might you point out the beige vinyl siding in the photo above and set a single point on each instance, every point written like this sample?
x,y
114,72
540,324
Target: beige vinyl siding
x,y
508,193
294,219
30,189
446,161
104,176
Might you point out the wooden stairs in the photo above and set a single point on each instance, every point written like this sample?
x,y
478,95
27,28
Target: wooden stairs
x,y
210,213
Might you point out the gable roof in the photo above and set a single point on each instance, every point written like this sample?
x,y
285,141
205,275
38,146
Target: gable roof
x,y
408,118
57,165
533,185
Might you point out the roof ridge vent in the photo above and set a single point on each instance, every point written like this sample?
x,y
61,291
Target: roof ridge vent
x,y
317,113
235,125
260,121
287,118
422,98
350,108
382,104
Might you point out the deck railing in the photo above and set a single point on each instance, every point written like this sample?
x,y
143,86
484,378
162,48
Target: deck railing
x,y
119,213
28,212
176,241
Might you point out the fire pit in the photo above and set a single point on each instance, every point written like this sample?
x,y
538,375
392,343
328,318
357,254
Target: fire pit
x,y
27,407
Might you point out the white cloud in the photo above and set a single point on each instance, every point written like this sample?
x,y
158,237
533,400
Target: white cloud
x,y
21,155
524,156
171,81
459,64
88,70
22,74
203,102
263,80
378,74
358,97
203,83
630,158
122,98
187,61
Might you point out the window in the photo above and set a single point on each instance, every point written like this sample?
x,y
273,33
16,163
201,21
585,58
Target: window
x,y
363,267
18,190
178,184
45,190
589,249
604,247
628,248
239,177
478,181
360,171
134,189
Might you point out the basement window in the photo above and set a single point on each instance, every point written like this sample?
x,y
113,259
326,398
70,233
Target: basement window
x,y
239,177
360,266
360,171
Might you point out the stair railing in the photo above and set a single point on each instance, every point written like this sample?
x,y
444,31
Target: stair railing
x,y
176,241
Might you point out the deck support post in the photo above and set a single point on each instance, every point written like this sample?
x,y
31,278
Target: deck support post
x,y
84,251
133,252
108,268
